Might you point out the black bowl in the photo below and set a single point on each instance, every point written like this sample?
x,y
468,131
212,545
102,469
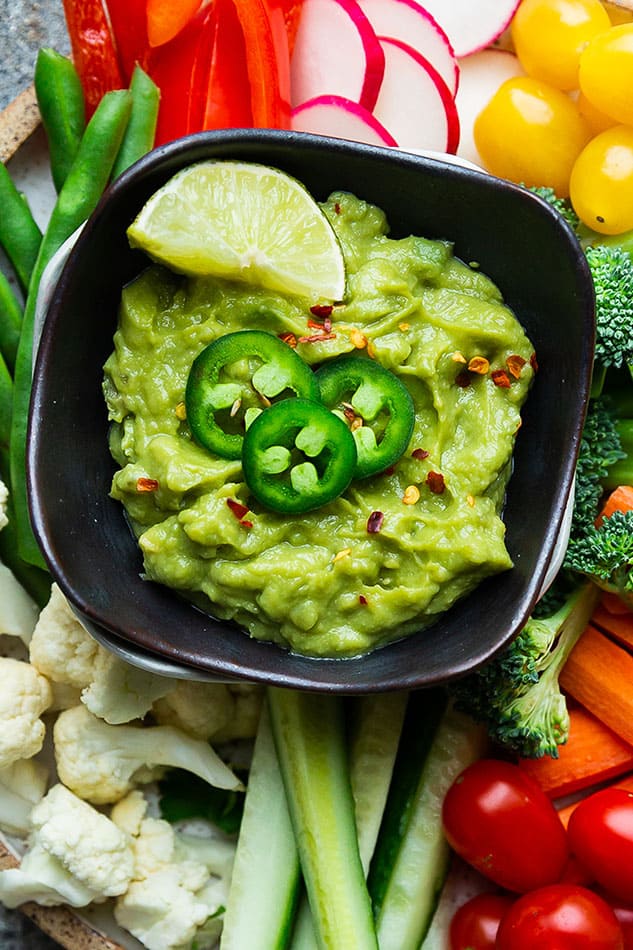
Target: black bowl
x,y
517,239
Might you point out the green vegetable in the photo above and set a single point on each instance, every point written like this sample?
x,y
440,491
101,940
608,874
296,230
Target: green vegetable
x,y
517,694
6,409
265,879
183,796
19,234
82,189
61,103
412,859
141,129
612,272
298,456
605,554
562,205
309,732
379,399
10,322
235,373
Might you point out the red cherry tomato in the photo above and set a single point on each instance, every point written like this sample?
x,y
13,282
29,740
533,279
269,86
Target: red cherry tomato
x,y
475,924
624,916
601,836
498,820
560,917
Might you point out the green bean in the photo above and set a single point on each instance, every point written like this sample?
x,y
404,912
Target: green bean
x,y
10,322
82,189
19,234
61,102
6,407
141,129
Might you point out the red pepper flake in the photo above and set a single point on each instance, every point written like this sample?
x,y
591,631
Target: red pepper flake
x,y
238,509
500,378
362,600
436,483
419,454
337,208
146,484
389,471
515,364
246,524
463,379
533,362
374,522
321,310
316,338
288,338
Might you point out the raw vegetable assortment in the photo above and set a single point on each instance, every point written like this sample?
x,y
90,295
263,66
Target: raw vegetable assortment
x,y
548,106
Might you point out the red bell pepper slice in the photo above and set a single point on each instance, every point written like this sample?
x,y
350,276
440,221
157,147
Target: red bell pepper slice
x,y
93,50
221,94
129,27
166,18
268,61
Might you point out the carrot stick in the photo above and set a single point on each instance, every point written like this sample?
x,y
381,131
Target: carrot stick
x,y
599,675
620,499
565,813
593,753
619,626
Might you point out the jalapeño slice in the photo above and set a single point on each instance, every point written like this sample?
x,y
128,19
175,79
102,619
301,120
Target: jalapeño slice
x,y
365,391
297,456
239,371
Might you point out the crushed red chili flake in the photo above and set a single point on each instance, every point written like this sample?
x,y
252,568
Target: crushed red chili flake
x,y
435,482
288,338
533,362
246,524
389,471
374,522
419,454
146,484
337,208
515,364
316,338
463,379
362,600
322,310
500,378
238,509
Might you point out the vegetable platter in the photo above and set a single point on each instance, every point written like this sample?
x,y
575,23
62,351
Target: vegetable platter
x,y
138,809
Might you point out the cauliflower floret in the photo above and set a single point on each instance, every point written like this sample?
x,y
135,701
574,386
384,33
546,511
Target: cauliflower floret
x,y
22,785
4,497
60,647
77,855
211,710
171,896
18,612
101,763
64,651
24,696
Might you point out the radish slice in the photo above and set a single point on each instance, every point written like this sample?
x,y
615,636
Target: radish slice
x,y
336,52
480,77
341,118
414,102
407,21
472,25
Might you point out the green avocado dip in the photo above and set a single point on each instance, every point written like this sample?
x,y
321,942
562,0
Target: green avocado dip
x,y
396,549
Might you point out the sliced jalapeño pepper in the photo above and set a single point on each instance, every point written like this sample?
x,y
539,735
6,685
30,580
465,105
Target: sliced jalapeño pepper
x,y
298,456
378,405
238,372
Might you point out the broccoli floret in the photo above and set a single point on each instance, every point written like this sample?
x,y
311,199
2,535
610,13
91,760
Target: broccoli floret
x,y
612,272
605,554
562,205
600,448
517,695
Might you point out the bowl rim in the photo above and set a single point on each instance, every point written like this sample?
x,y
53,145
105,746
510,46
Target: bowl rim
x,y
301,678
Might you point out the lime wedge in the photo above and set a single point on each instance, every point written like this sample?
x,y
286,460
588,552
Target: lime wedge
x,y
246,222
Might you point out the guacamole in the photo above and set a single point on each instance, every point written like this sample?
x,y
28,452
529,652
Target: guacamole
x,y
396,549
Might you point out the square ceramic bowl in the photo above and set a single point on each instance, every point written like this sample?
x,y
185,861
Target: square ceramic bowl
x,y
517,239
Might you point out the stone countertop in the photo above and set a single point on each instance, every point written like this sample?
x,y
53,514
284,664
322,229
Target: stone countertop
x,y
25,26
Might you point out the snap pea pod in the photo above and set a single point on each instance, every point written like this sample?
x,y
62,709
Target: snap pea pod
x,y
19,234
6,408
141,129
10,322
82,189
61,103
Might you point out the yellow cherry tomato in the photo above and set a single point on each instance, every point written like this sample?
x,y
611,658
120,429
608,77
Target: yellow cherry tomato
x,y
597,121
549,36
606,72
601,186
531,133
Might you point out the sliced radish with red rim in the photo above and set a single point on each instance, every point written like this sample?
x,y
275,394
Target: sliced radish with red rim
x,y
340,118
471,25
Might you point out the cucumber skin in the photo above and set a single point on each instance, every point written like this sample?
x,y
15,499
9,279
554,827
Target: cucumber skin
x,y
309,731
265,880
